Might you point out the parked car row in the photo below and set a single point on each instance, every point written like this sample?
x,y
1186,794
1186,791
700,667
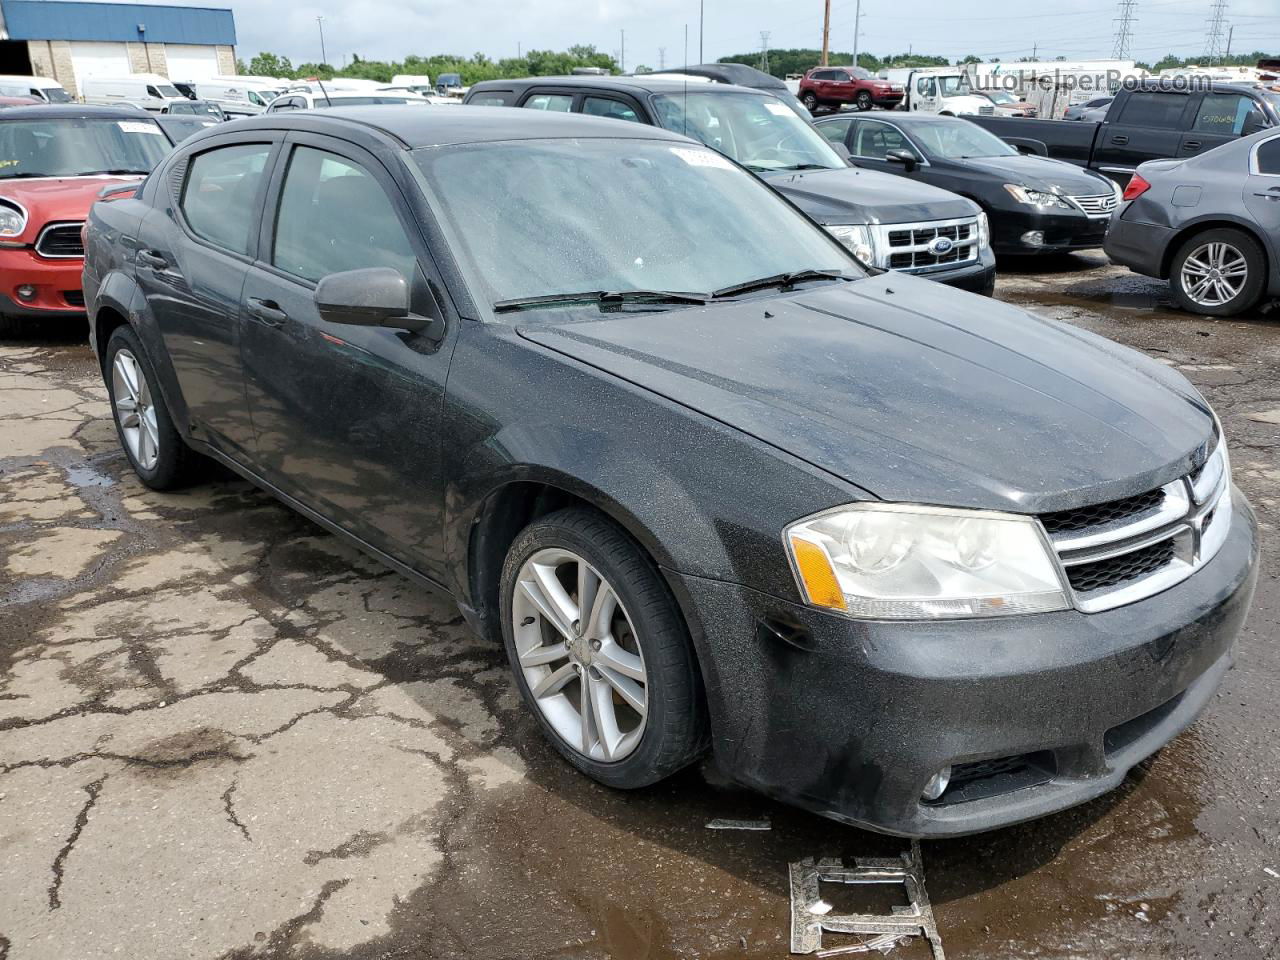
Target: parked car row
x,y
913,559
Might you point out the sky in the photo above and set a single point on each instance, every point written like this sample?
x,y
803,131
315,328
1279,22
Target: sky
x,y
1004,29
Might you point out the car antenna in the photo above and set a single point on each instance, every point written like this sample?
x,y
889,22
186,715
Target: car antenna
x,y
320,84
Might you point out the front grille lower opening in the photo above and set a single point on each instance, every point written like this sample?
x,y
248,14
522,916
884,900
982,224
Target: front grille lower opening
x,y
1124,734
993,777
1101,574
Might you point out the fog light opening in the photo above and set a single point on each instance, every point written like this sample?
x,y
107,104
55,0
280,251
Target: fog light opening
x,y
26,292
937,784
1033,238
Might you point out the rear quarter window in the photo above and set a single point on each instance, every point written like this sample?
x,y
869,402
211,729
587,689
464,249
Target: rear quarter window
x,y
492,98
1268,157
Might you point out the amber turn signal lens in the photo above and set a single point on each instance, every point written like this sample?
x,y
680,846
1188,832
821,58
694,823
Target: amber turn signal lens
x,y
815,571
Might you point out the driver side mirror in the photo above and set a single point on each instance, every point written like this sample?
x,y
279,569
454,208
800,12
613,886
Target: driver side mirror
x,y
904,157
371,297
843,151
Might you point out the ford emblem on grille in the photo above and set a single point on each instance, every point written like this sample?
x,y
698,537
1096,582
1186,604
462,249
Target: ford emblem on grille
x,y
940,245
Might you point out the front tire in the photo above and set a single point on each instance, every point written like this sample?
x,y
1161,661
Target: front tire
x,y
863,100
156,451
1219,273
599,650
810,102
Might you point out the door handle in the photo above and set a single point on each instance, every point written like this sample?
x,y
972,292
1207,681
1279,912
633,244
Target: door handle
x,y
1191,144
1120,139
267,311
1269,195
152,259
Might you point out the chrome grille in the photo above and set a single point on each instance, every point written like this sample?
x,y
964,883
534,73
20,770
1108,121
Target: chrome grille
x,y
911,246
1098,206
986,111
60,241
1126,550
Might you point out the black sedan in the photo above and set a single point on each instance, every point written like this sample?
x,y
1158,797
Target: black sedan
x,y
1035,205
898,553
1209,225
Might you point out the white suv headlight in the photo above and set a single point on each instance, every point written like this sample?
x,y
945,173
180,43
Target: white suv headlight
x,y
897,561
858,238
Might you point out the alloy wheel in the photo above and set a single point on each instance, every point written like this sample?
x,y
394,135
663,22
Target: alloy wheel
x,y
580,655
1214,274
134,409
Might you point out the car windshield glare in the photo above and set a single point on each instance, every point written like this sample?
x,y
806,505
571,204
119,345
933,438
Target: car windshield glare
x,y
959,139
75,147
758,130
537,218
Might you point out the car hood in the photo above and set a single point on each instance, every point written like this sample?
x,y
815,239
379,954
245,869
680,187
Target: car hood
x,y
867,196
54,199
914,392
1041,173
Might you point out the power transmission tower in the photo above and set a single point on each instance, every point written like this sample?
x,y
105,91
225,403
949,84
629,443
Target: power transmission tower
x,y
1213,50
1124,30
764,50
662,58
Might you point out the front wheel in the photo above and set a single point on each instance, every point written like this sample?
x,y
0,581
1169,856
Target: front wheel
x,y
1218,272
810,102
600,651
863,100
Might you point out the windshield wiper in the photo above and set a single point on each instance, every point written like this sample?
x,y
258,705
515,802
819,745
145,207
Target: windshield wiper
x,y
808,166
31,175
601,297
781,280
115,172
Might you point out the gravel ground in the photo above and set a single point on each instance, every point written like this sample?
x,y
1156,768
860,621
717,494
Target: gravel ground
x,y
225,734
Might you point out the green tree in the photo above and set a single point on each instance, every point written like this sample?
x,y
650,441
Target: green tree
x,y
270,65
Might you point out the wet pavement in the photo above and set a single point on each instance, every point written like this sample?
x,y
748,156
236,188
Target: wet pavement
x,y
225,734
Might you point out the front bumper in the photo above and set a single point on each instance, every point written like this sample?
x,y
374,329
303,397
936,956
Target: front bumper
x,y
56,282
1062,231
850,719
1139,246
978,276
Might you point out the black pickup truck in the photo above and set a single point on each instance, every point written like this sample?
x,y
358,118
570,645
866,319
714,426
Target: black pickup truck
x,y
1151,122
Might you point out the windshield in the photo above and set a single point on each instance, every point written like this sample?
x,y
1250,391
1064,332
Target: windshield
x,y
758,130
77,147
958,140
167,91
56,95
955,86
450,79
543,217
999,96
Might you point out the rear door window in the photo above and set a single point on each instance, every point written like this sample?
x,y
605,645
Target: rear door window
x,y
1224,113
553,102
1149,109
219,197
610,108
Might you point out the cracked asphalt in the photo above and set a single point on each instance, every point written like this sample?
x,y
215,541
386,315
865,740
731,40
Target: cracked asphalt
x,y
224,734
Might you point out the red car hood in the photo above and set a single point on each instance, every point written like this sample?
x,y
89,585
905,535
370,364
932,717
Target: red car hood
x,y
55,199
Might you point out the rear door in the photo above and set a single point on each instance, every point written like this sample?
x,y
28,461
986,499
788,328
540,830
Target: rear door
x,y
193,253
1149,126
1218,118
347,417
1262,191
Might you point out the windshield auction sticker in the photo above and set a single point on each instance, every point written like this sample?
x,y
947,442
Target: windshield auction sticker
x,y
133,126
702,158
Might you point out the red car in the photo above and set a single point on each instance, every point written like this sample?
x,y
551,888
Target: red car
x,y
54,160
833,87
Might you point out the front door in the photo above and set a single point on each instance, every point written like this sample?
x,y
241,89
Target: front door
x,y
347,416
194,251
925,97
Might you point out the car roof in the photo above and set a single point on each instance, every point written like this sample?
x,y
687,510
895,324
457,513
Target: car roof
x,y
630,84
77,111
415,125
741,74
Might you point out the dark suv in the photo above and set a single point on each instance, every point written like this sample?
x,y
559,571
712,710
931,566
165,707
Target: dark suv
x,y
911,558
887,223
835,87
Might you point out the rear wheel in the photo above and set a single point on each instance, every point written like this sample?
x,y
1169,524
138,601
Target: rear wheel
x,y
158,454
599,650
863,100
1219,273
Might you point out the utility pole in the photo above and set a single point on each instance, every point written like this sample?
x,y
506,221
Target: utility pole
x,y
662,58
1217,26
320,23
857,19
700,12
622,57
826,31
1124,30
764,51
1230,33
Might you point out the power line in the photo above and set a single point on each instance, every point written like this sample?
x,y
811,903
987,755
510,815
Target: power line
x,y
1124,30
1213,50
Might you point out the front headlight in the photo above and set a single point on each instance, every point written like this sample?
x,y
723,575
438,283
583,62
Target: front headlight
x,y
904,562
1037,198
12,221
859,239
984,230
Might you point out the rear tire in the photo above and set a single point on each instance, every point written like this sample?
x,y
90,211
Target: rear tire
x,y
156,451
863,100
629,647
1218,273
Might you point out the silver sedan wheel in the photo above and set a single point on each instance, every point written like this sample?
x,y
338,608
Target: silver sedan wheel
x,y
1214,274
134,410
579,655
